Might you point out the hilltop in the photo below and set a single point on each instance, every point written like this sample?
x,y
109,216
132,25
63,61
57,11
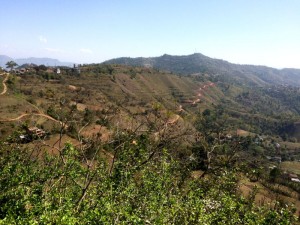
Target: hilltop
x,y
199,63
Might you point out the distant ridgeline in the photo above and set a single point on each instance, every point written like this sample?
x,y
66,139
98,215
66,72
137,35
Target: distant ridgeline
x,y
32,60
198,63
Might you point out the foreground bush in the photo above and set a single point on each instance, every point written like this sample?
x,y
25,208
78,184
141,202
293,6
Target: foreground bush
x,y
68,189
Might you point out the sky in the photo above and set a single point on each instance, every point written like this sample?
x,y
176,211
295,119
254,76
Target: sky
x,y
259,32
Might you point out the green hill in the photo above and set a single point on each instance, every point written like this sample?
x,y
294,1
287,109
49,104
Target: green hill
x,y
198,63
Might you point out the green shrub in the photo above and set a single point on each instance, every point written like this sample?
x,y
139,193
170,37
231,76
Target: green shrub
x,y
64,189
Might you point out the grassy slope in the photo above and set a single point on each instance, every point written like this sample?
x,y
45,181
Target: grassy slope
x,y
102,91
293,167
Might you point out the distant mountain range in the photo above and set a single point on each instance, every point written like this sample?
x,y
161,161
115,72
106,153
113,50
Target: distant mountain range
x,y
38,61
198,63
192,64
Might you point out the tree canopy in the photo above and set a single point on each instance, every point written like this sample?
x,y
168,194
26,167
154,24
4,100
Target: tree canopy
x,y
38,188
11,65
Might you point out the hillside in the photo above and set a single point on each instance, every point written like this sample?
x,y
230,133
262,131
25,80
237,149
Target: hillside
x,y
132,91
198,63
104,88
120,124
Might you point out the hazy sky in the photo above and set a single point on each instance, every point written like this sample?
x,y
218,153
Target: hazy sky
x,y
263,32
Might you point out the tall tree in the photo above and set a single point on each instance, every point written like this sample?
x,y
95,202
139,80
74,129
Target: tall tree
x,y
212,148
11,65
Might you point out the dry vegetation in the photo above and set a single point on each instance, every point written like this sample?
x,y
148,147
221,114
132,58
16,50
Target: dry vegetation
x,y
293,167
89,111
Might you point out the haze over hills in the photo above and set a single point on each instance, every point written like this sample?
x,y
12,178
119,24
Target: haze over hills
x,y
38,61
199,63
4,59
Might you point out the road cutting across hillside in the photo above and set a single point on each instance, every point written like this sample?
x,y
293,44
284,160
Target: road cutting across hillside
x,y
33,114
200,92
25,114
199,95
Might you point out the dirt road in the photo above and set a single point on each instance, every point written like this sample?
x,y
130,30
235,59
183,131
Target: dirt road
x,y
4,84
201,91
25,114
30,114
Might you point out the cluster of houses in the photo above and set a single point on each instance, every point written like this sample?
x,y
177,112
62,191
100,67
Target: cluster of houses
x,y
27,68
32,68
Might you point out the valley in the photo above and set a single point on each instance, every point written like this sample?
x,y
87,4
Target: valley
x,y
150,112
211,124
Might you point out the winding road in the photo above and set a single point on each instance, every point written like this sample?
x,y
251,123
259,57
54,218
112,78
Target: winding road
x,y
172,121
201,91
25,114
30,114
199,95
4,84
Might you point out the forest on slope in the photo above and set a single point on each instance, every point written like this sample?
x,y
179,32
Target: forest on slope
x,y
199,63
